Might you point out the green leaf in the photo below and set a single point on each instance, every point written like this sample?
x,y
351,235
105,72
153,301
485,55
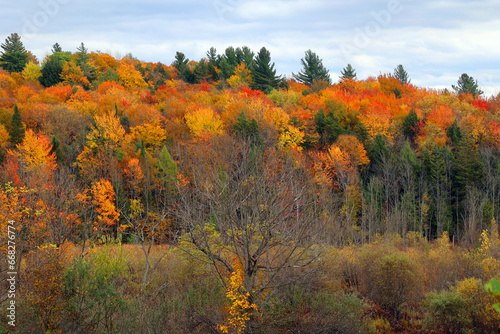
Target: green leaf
x,y
493,287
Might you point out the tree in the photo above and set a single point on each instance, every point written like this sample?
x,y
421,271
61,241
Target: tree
x,y
411,125
17,130
53,67
240,212
313,70
32,72
401,75
14,56
264,75
56,48
348,73
181,64
82,60
467,84
328,127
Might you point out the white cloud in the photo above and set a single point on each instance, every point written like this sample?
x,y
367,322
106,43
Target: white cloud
x,y
436,41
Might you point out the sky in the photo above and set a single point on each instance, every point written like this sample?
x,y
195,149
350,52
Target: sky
x,y
436,41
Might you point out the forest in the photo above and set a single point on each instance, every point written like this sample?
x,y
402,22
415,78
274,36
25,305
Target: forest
x,y
215,196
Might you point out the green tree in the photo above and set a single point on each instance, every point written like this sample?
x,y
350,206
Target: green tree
x,y
17,130
401,75
328,127
313,70
56,148
348,73
82,60
454,133
264,75
52,68
56,48
467,84
247,130
410,125
181,65
14,56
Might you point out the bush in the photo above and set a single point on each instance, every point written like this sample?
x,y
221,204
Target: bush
x,y
301,310
392,281
447,311
93,291
480,305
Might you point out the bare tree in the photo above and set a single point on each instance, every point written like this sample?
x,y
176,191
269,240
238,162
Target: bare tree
x,y
252,208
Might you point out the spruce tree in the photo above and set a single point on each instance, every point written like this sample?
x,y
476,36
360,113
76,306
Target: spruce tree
x,y
467,84
328,127
14,57
401,75
264,75
348,73
16,127
410,125
313,70
52,68
56,48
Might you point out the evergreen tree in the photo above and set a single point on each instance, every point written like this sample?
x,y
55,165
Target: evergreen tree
x,y
454,133
181,65
401,75
17,130
264,75
56,148
14,57
348,73
201,71
328,127
313,70
467,84
247,130
167,167
82,60
56,48
246,56
52,68
410,125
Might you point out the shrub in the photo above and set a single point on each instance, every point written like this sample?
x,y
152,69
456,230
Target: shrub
x,y
393,281
447,311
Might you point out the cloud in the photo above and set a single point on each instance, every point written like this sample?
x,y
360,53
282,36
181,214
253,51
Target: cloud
x,y
436,41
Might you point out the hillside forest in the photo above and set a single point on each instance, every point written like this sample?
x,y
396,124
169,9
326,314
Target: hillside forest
x,y
215,196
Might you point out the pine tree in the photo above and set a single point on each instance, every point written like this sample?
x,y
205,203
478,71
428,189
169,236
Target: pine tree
x,y
410,125
181,65
454,133
328,127
82,60
14,56
401,75
17,130
53,67
348,73
467,84
56,48
264,75
313,70
56,148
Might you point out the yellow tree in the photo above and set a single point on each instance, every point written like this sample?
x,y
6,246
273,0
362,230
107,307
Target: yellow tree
x,y
32,72
204,121
129,76
103,198
104,149
73,75
241,77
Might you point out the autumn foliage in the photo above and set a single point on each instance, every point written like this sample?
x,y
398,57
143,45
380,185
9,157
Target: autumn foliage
x,y
360,206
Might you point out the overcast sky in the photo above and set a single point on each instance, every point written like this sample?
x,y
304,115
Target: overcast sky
x,y
435,40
